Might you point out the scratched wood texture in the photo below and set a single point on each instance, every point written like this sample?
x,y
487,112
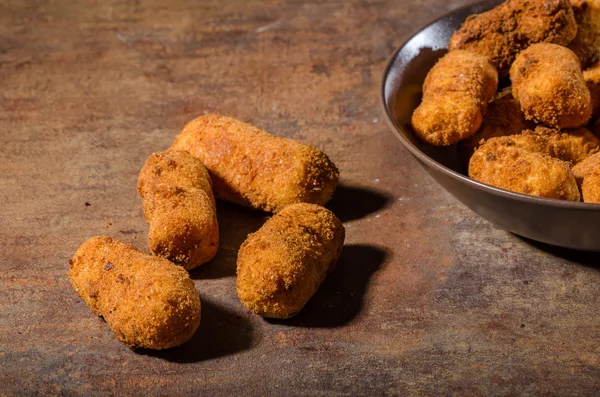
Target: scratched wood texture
x,y
427,299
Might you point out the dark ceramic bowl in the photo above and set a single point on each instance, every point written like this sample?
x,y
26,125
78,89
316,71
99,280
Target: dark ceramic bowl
x,y
561,223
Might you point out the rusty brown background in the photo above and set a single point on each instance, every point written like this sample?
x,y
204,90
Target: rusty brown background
x,y
427,299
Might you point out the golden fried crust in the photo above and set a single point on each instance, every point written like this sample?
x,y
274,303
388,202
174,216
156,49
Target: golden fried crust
x,y
522,171
282,265
455,96
548,83
590,188
502,118
501,33
253,168
180,208
587,42
147,301
591,76
567,145
585,167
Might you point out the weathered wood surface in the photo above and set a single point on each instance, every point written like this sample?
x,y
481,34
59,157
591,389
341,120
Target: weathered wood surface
x,y
428,298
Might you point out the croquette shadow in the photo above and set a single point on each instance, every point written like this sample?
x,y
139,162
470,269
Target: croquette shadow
x,y
235,223
585,258
221,333
340,298
351,202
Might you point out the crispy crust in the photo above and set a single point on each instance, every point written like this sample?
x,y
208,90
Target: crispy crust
x,y
147,301
253,168
548,83
571,146
591,76
455,96
501,33
590,188
180,208
513,168
587,42
585,167
281,266
503,117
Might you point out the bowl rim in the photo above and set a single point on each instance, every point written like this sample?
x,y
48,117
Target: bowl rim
x,y
416,152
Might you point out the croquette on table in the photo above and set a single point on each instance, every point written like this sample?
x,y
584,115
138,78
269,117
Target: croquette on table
x,y
147,301
250,167
180,208
281,266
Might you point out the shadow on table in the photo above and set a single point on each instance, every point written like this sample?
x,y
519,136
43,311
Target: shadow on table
x,y
586,258
235,223
221,333
340,298
351,202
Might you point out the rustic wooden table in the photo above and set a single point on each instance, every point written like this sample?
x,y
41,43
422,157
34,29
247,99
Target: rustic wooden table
x,y
427,299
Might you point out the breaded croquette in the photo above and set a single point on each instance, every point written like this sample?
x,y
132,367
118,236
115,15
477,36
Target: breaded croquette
x,y
586,166
590,188
455,96
571,146
548,83
586,44
512,168
514,25
253,168
180,208
503,117
282,265
591,76
147,301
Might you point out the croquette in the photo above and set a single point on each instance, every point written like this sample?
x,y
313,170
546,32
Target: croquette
x,y
455,97
503,32
179,207
548,83
590,188
250,167
513,168
503,117
571,146
282,265
591,76
586,44
147,301
586,166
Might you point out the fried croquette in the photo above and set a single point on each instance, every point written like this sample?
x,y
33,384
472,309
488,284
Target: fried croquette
x,y
501,33
250,167
548,83
591,76
586,166
513,168
503,117
282,265
586,44
180,208
147,301
455,96
571,146
590,188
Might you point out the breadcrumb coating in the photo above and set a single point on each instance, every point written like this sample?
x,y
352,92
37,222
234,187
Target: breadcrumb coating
x,y
571,146
587,42
503,32
590,188
455,96
281,266
548,83
503,117
250,167
147,301
586,166
180,208
513,168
